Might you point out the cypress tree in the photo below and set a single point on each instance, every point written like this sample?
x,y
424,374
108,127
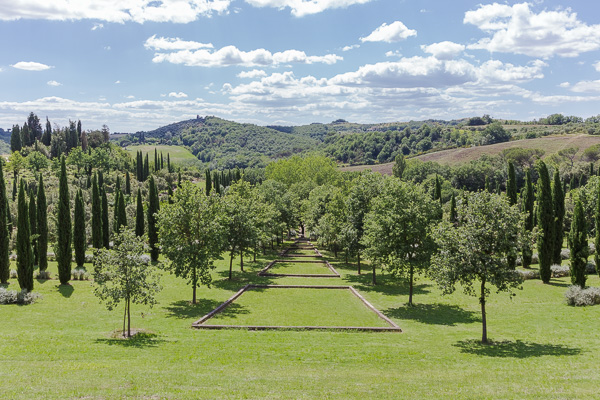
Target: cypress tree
x,y
118,183
558,199
528,204
15,139
511,185
24,253
105,223
63,223
437,194
169,163
578,245
116,211
153,207
139,167
156,162
4,231
217,183
33,227
139,215
591,169
208,181
79,240
127,184
96,215
42,222
100,180
121,213
88,182
545,218
597,237
15,189
146,168
453,214
170,194
162,161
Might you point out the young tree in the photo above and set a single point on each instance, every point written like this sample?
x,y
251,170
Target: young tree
x,y
475,249
127,183
511,185
153,208
63,248
399,166
139,215
192,235
208,181
545,218
105,223
578,245
79,240
24,253
528,204
558,201
122,274
33,229
42,222
4,232
408,211
96,215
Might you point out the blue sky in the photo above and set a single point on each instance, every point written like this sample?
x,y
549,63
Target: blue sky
x,y
140,64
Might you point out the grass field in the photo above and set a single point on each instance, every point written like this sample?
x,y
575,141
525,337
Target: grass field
x,y
61,347
298,307
178,154
550,144
290,267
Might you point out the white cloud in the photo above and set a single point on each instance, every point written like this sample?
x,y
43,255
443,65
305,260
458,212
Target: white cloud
x,y
444,50
597,66
351,47
120,11
31,66
130,97
97,26
393,53
107,48
517,29
117,82
495,70
178,95
565,85
172,44
255,73
586,87
53,83
231,55
301,8
394,32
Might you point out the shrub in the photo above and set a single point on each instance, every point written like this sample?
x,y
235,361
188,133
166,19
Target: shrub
x,y
13,274
42,275
14,297
576,296
590,267
80,274
535,259
592,248
529,274
565,254
559,271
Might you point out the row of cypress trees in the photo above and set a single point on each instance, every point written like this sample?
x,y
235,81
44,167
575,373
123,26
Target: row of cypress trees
x,y
143,166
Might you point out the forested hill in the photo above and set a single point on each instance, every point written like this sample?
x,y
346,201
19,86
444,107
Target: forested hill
x,y
226,144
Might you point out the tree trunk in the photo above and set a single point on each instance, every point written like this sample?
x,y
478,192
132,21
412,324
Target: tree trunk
x,y
358,261
410,291
128,318
335,251
484,338
374,278
242,260
254,254
230,265
124,318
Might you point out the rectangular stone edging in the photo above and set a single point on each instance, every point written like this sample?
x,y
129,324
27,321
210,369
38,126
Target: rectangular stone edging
x,y
199,324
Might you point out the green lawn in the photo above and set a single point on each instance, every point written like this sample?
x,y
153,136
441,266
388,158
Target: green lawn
x,y
292,267
298,307
61,347
177,154
302,251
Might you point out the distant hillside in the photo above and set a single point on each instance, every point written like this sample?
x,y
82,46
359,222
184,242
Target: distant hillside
x,y
4,141
226,144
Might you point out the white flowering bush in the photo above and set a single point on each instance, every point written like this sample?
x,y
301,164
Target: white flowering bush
x,y
576,296
14,297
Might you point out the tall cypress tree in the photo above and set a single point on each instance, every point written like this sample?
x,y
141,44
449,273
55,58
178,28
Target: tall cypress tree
x,y
24,253
153,206
127,184
96,215
15,139
208,181
118,183
4,232
139,215
139,167
597,237
63,248
121,215
437,194
33,227
146,168
116,211
105,223
100,180
79,240
545,219
511,185
156,162
558,199
453,214
42,225
578,245
15,188
162,161
528,204
169,163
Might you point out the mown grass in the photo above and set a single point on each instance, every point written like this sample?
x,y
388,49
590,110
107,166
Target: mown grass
x,y
177,154
62,346
291,267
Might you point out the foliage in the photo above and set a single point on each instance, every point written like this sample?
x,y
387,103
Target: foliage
x,y
318,170
578,296
545,219
578,246
96,215
528,211
558,200
4,232
122,275
79,239
14,297
153,208
42,226
139,215
63,247
24,251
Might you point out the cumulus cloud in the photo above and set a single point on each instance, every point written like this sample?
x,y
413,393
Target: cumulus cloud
x,y
597,66
178,95
53,83
394,32
31,66
255,73
97,26
393,53
231,55
586,87
517,29
351,47
444,50
172,44
301,8
496,70
120,11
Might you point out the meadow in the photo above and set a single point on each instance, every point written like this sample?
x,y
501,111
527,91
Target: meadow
x,y
64,346
178,154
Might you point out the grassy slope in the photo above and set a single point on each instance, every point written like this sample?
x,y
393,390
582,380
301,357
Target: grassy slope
x,y
550,144
61,348
178,154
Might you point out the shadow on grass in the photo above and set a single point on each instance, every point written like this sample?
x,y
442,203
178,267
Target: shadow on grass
x,y
434,314
186,310
140,340
66,290
555,282
386,284
241,279
515,349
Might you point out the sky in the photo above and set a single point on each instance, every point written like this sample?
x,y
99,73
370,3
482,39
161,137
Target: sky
x,y
140,64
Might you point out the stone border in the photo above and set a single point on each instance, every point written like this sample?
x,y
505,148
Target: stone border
x,y
200,323
263,272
